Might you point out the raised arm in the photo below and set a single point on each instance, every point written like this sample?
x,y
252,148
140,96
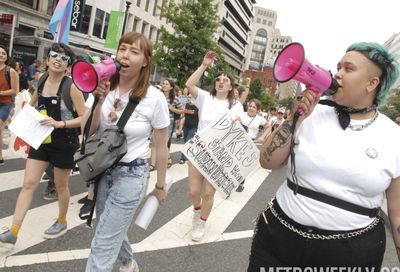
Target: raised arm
x,y
192,81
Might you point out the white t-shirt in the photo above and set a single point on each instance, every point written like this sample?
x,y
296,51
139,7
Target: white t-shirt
x,y
151,112
355,166
211,107
252,123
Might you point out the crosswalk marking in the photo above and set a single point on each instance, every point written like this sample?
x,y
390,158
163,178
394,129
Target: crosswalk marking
x,y
175,233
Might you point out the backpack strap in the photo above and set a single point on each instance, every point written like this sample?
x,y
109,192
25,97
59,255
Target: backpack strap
x,y
66,95
8,75
42,80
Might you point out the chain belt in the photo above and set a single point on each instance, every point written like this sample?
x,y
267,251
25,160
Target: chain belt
x,y
314,235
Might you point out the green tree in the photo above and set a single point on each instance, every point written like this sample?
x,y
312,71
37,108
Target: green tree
x,y
267,100
178,54
392,108
256,89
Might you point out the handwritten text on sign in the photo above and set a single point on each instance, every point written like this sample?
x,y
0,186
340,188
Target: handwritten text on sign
x,y
223,153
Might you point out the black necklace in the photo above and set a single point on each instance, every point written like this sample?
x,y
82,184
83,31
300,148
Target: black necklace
x,y
343,112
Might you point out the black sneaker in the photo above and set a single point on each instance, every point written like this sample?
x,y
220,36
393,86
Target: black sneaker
x,y
2,162
52,195
83,200
86,208
240,188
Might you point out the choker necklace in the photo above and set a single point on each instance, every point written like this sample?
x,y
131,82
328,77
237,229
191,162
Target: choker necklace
x,y
343,112
364,126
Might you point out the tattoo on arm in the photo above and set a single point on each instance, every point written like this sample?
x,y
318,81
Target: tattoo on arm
x,y
280,139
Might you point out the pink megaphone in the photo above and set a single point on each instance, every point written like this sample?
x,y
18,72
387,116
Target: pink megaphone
x,y
291,63
86,75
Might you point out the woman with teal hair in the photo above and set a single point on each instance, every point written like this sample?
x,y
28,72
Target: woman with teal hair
x,y
343,158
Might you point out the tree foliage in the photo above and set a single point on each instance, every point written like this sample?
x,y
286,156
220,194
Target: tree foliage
x,y
257,91
195,23
392,108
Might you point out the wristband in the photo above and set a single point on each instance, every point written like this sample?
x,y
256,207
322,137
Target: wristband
x,y
159,187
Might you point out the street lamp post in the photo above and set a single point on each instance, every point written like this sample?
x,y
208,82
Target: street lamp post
x,y
128,4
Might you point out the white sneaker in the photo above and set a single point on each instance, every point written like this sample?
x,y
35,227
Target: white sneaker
x,y
195,218
129,267
198,231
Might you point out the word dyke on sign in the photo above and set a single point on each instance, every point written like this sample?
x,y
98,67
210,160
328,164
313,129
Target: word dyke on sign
x,y
223,153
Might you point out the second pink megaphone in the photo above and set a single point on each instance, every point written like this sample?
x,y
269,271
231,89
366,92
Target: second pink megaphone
x,y
291,63
86,76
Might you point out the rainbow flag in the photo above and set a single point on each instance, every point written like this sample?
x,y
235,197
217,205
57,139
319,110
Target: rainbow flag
x,y
60,21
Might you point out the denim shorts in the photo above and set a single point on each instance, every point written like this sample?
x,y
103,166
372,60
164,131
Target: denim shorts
x,y
5,112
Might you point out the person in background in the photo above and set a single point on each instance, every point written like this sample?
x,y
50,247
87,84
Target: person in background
x,y
121,190
343,158
191,122
23,79
58,149
241,94
175,108
184,99
34,66
252,121
9,87
210,104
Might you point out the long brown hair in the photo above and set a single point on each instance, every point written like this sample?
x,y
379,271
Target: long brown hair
x,y
140,87
231,94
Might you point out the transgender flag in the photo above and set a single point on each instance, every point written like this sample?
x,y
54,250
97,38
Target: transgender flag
x,y
60,21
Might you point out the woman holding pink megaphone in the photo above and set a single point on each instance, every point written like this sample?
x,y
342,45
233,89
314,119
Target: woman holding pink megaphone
x,y
343,159
121,189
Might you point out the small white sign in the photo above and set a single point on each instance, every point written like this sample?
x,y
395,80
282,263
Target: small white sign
x,y
26,126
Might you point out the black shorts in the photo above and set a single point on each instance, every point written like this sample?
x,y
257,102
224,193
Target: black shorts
x,y
60,154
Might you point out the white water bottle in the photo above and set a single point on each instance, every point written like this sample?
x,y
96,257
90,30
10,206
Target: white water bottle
x,y
149,208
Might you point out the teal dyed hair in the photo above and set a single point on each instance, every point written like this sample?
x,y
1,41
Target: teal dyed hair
x,y
385,61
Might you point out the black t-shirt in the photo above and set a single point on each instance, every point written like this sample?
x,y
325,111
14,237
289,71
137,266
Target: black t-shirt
x,y
191,120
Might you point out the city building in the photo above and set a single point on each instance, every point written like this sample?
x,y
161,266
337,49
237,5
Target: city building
x,y
234,34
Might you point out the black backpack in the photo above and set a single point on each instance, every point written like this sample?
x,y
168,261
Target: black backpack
x,y
65,92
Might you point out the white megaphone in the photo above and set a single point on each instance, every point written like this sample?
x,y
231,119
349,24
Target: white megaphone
x,y
86,76
291,63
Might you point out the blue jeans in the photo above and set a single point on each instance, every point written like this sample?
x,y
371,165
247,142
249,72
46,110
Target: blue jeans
x,y
188,133
118,196
5,112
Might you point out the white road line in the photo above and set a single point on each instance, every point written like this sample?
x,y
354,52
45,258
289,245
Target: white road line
x,y
175,233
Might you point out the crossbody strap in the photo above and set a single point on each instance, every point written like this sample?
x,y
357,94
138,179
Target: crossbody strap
x,y
130,107
339,203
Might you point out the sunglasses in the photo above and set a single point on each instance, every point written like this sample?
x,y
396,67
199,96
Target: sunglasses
x,y
224,80
62,57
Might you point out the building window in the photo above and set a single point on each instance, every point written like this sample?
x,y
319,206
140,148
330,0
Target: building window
x,y
146,7
29,3
24,30
144,27
155,7
51,6
135,24
138,3
152,30
100,24
84,27
258,20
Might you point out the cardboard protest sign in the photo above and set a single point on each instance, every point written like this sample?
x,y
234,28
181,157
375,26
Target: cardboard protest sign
x,y
223,153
